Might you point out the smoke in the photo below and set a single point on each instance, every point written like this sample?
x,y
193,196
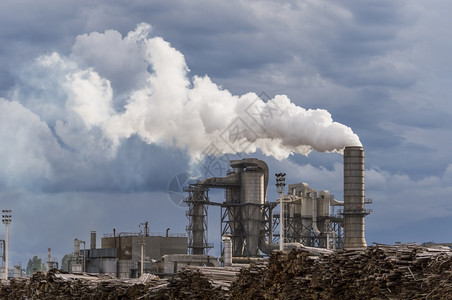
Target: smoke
x,y
139,85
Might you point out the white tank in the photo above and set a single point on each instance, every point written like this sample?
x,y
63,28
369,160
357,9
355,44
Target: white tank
x,y
323,204
227,254
77,249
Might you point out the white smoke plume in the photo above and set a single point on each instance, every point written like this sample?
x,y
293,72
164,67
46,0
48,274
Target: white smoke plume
x,y
139,85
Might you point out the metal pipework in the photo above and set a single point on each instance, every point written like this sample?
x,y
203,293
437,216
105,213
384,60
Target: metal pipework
x,y
354,210
313,194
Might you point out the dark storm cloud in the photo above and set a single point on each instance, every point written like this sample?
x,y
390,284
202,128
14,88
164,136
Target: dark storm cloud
x,y
137,167
380,67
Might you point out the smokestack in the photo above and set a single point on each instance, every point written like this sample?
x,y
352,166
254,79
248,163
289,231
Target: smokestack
x,y
93,240
354,211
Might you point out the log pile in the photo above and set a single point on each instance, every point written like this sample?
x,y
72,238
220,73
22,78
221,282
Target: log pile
x,y
378,272
57,285
190,284
220,277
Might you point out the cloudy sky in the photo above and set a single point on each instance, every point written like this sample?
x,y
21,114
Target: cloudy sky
x,y
104,106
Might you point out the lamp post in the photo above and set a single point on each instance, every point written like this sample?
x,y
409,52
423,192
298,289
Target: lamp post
x,y
142,255
84,255
143,243
280,186
6,219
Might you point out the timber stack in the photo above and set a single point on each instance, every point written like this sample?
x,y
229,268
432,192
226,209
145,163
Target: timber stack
x,y
378,272
58,285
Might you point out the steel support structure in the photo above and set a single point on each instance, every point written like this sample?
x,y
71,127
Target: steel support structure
x,y
197,201
231,220
295,227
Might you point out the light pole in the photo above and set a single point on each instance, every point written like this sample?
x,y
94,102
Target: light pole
x,y
6,219
280,184
143,243
142,255
84,254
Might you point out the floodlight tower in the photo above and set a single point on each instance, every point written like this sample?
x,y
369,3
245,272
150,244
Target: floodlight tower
x,y
280,184
6,219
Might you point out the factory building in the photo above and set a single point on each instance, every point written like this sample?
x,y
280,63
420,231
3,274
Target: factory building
x,y
249,224
309,217
120,255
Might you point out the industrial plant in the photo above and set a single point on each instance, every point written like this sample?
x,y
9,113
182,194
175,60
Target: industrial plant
x,y
251,227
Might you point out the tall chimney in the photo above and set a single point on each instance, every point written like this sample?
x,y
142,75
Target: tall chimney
x,y
354,210
93,240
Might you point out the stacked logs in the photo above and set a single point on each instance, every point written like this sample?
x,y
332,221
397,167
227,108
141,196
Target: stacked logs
x,y
191,284
56,285
378,272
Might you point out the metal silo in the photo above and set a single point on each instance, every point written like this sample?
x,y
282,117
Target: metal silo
x,y
354,210
323,204
252,180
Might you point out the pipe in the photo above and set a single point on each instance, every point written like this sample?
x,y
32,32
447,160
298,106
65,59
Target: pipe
x,y
281,224
327,240
84,254
335,202
334,240
314,212
265,246
142,257
6,250
247,260
114,236
270,226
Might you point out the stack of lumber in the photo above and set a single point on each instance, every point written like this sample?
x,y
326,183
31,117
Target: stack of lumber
x,y
188,284
378,272
219,277
57,285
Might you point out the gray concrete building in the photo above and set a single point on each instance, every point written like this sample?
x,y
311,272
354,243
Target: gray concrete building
x,y
120,255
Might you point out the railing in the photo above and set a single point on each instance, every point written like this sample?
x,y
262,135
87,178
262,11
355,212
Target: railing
x,y
161,234
204,245
364,211
368,200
